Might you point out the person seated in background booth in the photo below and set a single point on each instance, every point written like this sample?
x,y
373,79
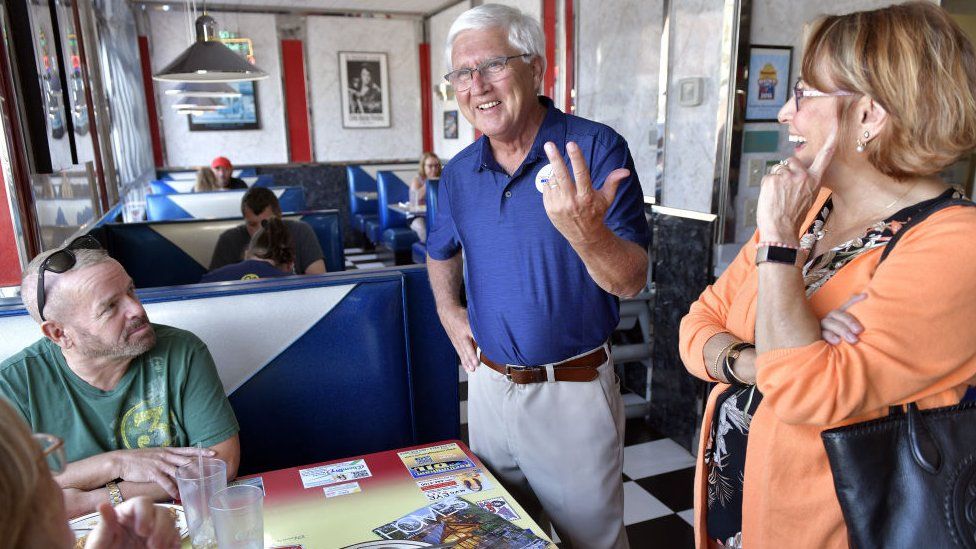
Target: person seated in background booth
x,y
258,204
129,398
33,505
224,172
270,254
430,168
206,181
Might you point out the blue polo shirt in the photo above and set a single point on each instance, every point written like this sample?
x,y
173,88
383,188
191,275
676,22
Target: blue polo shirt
x,y
530,299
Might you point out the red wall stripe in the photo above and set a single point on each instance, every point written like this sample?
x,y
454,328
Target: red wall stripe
x,y
549,27
9,256
426,103
147,84
296,101
569,73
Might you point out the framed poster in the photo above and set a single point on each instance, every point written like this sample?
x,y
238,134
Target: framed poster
x,y
769,82
238,113
365,85
450,124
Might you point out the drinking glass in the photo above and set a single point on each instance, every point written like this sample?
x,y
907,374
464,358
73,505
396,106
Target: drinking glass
x,y
198,481
238,515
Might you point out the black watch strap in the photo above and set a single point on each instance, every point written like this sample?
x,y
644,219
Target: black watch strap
x,y
775,254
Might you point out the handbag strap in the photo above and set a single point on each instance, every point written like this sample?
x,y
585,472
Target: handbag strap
x,y
925,450
922,216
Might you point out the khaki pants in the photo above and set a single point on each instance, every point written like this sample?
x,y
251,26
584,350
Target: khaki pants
x,y
558,444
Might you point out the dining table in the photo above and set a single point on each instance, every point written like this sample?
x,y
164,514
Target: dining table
x,y
407,210
431,495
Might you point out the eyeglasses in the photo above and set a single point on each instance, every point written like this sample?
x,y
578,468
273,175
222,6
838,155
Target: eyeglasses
x,y
800,93
61,261
52,451
491,70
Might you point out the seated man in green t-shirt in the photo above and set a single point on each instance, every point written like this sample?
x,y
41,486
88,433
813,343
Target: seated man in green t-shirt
x,y
131,400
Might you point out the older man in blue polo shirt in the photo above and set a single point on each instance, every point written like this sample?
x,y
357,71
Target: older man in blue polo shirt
x,y
544,256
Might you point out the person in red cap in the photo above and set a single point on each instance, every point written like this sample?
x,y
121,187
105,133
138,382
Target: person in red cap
x,y
223,170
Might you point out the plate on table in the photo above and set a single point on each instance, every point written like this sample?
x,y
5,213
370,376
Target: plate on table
x,y
83,525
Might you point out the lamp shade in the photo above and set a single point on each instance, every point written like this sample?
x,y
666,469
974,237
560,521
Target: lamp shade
x,y
202,89
209,60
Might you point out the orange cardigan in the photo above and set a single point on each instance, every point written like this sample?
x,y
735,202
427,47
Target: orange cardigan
x,y
918,344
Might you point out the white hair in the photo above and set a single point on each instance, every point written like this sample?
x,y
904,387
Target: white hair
x,y
28,281
524,32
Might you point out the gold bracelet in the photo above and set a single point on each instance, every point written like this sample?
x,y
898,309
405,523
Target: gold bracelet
x,y
714,372
114,493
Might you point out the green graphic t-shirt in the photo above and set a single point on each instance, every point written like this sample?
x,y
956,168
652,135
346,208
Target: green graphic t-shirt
x,y
169,396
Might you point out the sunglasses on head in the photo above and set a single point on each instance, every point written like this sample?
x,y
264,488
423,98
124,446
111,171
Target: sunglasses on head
x,y
62,261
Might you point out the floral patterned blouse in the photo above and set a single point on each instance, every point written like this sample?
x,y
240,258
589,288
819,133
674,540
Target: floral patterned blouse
x,y
725,450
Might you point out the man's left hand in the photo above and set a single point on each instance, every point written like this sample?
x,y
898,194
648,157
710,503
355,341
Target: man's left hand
x,y
576,209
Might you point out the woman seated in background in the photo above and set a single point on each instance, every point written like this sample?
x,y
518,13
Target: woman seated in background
x,y
206,181
805,331
270,253
430,168
33,506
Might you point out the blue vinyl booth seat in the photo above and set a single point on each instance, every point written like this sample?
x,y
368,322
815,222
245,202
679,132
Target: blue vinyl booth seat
x,y
171,253
419,249
171,186
316,368
214,205
393,227
360,209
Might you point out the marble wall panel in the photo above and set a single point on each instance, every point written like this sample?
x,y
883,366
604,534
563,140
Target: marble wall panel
x,y
267,145
695,52
619,58
399,39
439,25
682,256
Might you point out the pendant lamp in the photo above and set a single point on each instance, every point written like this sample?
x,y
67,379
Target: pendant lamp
x,y
201,89
209,60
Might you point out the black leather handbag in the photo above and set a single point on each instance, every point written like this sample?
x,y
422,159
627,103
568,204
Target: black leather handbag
x,y
908,480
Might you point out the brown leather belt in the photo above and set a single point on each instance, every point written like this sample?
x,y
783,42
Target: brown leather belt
x,y
581,368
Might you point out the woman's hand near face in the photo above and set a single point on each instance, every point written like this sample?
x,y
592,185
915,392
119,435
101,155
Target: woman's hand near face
x,y
839,325
788,192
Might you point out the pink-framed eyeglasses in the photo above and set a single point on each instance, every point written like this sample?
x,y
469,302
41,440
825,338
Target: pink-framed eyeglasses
x,y
799,93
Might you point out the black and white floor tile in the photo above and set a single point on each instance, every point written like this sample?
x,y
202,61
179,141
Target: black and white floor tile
x,y
658,480
357,258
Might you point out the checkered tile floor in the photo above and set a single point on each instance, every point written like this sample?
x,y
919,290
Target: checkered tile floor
x,y
357,258
658,482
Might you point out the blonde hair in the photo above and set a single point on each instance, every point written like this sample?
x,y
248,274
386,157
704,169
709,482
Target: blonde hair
x,y
914,61
423,159
206,181
19,479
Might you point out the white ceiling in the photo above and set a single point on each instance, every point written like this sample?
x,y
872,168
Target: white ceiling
x,y
330,6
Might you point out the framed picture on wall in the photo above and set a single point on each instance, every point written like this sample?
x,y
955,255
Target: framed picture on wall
x,y
237,113
450,124
365,90
769,82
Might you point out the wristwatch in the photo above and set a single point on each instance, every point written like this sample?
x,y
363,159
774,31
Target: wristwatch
x,y
114,493
775,254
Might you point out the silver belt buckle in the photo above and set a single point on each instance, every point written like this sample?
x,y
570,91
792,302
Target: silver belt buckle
x,y
508,373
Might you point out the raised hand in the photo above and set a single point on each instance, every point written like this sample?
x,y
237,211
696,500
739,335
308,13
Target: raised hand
x,y
134,524
155,465
839,325
576,209
788,192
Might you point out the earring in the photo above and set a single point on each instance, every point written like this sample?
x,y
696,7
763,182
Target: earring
x,y
861,144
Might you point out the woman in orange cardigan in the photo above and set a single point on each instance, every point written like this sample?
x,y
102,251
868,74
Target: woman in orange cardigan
x,y
805,331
